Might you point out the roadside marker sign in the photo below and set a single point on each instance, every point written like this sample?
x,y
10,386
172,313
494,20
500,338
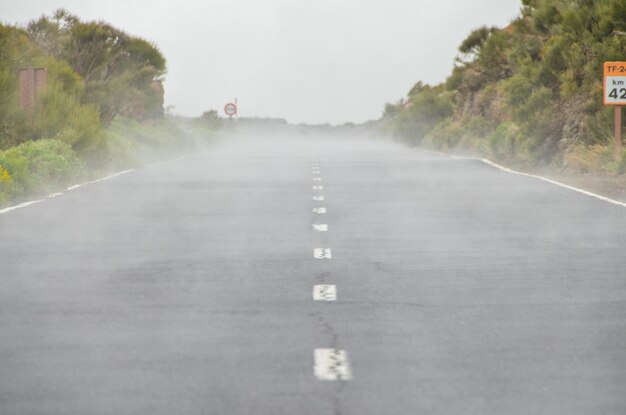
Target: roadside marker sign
x,y
614,83
615,95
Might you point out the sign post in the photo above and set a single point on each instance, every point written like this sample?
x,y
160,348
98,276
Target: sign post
x,y
615,95
618,133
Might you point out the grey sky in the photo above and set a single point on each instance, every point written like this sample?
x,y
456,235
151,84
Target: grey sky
x,y
310,61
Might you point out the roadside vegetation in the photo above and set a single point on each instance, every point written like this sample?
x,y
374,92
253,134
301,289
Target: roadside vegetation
x,y
101,109
528,94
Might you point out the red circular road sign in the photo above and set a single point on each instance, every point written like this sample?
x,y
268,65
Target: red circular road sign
x,y
230,109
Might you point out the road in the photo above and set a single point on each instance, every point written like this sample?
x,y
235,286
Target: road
x,y
443,286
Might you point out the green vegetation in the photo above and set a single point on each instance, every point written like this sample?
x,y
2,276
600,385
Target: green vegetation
x,y
101,109
37,167
528,94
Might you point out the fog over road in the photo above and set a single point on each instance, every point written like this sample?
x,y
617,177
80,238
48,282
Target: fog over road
x,y
442,286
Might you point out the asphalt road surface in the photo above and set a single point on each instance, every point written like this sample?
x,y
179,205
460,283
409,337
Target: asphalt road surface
x,y
201,286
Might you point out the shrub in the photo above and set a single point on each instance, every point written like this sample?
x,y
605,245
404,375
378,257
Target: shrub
x,y
503,141
621,165
587,159
37,167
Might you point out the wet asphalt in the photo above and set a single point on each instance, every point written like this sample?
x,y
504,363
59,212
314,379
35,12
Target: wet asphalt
x,y
186,288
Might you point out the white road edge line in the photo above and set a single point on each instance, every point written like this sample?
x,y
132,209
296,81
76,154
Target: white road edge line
x,y
325,292
53,195
534,176
76,186
556,183
332,364
79,185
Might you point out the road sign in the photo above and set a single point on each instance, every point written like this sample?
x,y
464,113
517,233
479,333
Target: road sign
x,y
615,95
230,109
614,83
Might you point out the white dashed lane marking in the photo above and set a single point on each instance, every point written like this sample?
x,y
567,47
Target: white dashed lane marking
x,y
319,210
322,253
322,227
317,179
332,364
318,187
318,198
325,292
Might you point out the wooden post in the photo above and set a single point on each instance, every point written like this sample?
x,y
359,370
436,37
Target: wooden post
x,y
618,132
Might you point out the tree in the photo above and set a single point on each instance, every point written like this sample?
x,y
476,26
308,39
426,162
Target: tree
x,y
122,73
474,42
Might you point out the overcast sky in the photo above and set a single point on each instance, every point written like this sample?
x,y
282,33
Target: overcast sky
x,y
312,61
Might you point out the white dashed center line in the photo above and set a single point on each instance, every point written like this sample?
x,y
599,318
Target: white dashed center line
x,y
325,292
332,364
322,253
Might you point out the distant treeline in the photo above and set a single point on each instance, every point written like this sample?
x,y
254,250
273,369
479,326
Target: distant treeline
x,y
530,93
102,104
259,126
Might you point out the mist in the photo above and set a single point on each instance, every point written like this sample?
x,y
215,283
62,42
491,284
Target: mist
x,y
409,208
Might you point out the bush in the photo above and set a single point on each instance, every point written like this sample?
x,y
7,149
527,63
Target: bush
x,y
144,142
36,167
621,165
428,107
128,143
586,159
7,185
503,142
